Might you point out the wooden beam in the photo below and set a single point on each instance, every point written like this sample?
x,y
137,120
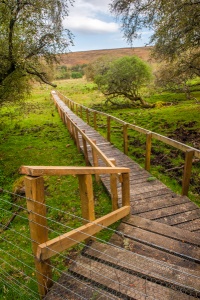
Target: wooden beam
x,y
95,161
59,170
87,197
125,189
67,240
95,120
34,188
187,172
148,151
85,151
125,138
108,128
88,116
113,188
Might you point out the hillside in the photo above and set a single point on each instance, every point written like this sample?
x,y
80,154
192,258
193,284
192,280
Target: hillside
x,y
85,57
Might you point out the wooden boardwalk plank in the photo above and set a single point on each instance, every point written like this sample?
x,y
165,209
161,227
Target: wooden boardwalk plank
x,y
157,259
181,217
168,211
133,263
156,203
125,285
191,225
172,232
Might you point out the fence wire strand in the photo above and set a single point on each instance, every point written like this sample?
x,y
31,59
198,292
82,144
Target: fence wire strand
x,y
97,272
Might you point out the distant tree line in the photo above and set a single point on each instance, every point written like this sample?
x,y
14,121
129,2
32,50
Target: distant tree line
x,y
64,72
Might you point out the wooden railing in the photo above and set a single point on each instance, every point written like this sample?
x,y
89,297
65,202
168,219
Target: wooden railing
x,y
190,152
44,249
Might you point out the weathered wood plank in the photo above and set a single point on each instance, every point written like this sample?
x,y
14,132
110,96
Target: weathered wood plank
x,y
122,283
72,288
61,170
38,229
67,240
193,225
134,263
164,243
168,211
165,230
181,218
158,202
156,254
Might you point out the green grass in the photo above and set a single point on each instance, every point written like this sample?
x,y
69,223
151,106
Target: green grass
x,y
32,134
174,116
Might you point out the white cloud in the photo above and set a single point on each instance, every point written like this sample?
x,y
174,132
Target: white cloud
x,y
89,25
88,16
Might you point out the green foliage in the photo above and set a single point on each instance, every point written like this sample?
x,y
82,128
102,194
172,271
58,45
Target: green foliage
x,y
175,27
173,116
123,77
79,68
32,133
76,75
62,72
29,31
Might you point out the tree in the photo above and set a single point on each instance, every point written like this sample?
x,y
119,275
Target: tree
x,y
175,24
31,35
124,77
99,66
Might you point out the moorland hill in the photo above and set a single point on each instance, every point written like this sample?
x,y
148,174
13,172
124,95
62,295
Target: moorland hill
x,y
84,57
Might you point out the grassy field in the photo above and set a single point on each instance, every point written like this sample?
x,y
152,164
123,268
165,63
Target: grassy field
x,y
32,133
173,116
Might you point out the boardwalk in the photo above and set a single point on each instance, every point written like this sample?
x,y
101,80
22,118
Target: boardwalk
x,y
163,227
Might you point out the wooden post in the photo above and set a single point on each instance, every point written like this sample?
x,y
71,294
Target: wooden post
x,y
85,150
187,171
113,188
95,120
125,138
148,151
34,187
95,161
77,109
73,132
125,189
87,114
81,112
87,197
77,140
108,128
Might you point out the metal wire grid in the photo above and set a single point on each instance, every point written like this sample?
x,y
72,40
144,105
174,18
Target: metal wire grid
x,y
112,280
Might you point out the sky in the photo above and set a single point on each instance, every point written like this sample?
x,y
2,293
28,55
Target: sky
x,y
94,27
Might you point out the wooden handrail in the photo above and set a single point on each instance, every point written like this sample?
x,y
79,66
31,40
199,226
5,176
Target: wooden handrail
x,y
155,135
36,171
43,248
149,136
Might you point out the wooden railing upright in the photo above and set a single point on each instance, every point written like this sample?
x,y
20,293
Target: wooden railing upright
x,y
190,152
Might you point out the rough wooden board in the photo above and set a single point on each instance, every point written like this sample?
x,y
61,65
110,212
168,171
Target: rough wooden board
x,y
168,211
72,288
157,203
181,218
193,225
163,243
146,188
162,229
147,195
157,254
125,284
142,266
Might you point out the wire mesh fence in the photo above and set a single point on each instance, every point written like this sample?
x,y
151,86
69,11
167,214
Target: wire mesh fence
x,y
97,269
